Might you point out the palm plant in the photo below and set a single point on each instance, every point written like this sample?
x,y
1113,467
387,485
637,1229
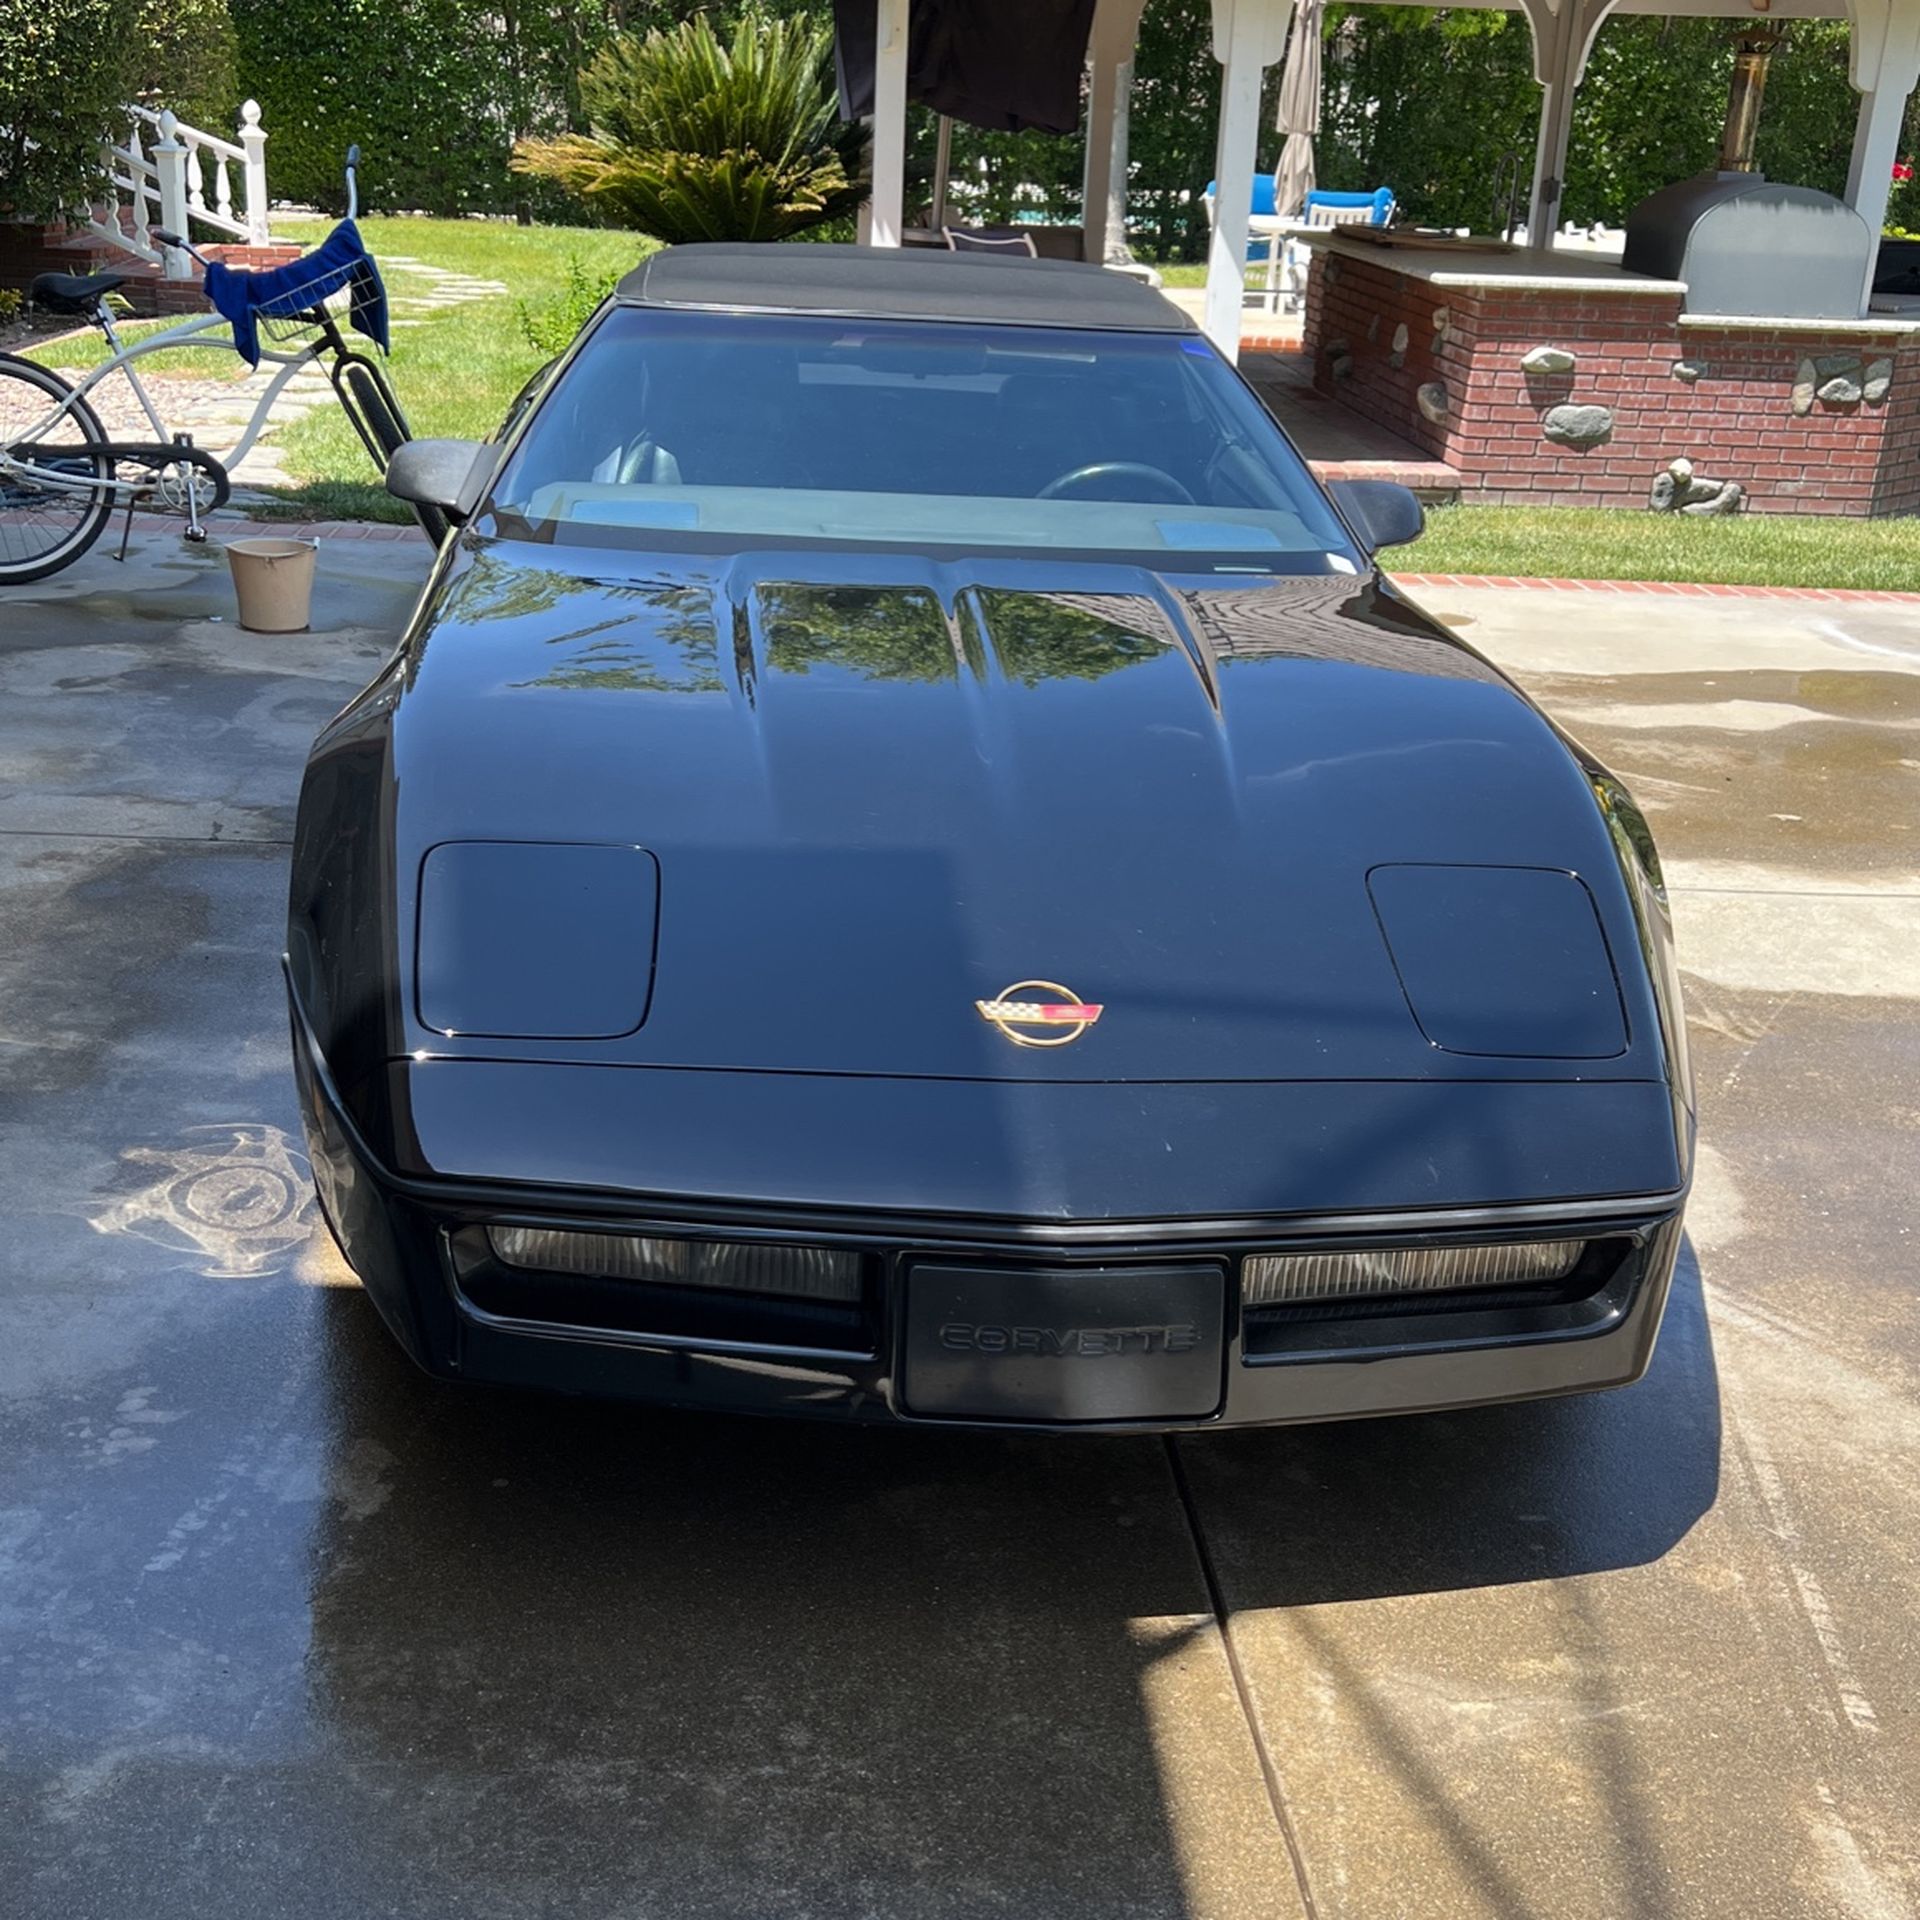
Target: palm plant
x,y
695,140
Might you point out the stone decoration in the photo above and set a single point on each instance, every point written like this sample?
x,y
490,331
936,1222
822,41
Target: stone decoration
x,y
1843,390
1681,490
1582,426
1442,319
1878,381
1373,329
1805,380
1546,360
1432,402
1689,370
1400,338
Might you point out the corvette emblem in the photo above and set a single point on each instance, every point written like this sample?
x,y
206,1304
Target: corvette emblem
x,y
1029,1020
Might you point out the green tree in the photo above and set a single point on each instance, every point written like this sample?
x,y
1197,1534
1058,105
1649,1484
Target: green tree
x,y
62,70
183,56
696,139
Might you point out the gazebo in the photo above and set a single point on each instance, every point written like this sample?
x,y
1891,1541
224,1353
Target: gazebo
x,y
1250,35
1432,346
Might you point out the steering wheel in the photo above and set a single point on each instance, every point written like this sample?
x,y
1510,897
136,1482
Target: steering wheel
x,y
1110,469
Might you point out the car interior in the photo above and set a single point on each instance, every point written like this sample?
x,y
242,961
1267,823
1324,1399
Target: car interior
x,y
779,404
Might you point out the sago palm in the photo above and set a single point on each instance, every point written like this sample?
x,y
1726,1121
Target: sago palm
x,y
695,140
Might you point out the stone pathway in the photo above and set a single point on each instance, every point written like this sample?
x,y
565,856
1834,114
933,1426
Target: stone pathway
x,y
216,410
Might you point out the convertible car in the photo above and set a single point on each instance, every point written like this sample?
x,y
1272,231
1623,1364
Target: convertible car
x,y
910,866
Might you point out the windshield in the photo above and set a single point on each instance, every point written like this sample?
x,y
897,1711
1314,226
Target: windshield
x,y
788,427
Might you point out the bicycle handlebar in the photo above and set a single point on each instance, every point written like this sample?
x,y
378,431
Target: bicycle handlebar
x,y
353,186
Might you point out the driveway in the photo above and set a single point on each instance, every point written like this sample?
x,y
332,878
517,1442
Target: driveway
x,y
288,1630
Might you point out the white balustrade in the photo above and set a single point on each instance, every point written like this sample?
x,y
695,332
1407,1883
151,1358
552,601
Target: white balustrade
x,y
185,175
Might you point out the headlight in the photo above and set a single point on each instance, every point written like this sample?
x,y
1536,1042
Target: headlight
x,y
814,1273
1288,1279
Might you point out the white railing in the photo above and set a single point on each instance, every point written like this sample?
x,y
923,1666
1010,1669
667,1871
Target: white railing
x,y
178,178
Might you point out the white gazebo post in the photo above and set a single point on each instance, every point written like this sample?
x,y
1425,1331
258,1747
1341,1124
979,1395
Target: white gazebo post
x,y
889,124
1563,35
1885,68
1248,37
1103,216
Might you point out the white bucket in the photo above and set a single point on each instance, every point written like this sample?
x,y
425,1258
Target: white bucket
x,y
274,582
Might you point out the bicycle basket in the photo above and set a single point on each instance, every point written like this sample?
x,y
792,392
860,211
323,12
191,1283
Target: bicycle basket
x,y
301,309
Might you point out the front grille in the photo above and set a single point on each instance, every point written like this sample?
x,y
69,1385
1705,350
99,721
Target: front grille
x,y
1591,1291
738,1298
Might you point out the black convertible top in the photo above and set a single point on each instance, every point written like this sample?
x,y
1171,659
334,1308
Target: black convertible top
x,y
898,283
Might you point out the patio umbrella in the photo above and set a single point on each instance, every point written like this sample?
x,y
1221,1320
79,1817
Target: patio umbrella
x,y
1299,115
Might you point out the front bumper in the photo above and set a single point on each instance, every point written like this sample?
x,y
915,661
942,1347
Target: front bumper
x,y
418,1244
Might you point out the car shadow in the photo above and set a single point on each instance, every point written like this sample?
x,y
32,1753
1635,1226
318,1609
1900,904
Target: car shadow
x,y
1487,1496
881,1670
692,1664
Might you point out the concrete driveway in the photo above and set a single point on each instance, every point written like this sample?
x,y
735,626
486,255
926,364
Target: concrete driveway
x,y
288,1630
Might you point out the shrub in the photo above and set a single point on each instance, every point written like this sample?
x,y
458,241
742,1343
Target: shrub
x,y
551,329
695,140
62,82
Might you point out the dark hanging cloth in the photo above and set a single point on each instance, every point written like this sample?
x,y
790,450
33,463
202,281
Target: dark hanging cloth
x,y
1001,64
340,260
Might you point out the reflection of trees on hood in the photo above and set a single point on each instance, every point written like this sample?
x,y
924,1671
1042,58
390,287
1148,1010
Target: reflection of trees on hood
x,y
885,633
661,640
1055,636
901,633
645,636
493,589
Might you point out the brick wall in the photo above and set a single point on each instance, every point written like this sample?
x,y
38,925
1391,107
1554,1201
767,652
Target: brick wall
x,y
26,251
1735,422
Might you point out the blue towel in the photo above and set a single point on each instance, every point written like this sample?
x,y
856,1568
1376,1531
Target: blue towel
x,y
340,260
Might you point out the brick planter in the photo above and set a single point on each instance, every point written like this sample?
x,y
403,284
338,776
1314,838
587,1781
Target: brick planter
x,y
1740,399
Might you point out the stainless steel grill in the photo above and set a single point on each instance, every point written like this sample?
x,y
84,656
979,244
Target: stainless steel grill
x,y
1746,245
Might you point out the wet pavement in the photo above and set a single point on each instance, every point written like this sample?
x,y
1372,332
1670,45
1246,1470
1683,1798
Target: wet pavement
x,y
287,1629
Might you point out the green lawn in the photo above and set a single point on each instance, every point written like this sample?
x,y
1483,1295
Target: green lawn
x,y
457,371
176,363
1587,543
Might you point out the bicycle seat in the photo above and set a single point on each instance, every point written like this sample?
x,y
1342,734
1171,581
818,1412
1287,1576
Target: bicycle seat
x,y
72,292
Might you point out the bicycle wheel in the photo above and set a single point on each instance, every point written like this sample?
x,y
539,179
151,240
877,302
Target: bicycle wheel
x,y
45,526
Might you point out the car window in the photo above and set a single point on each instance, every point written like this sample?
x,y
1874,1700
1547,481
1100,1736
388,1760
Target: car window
x,y
804,427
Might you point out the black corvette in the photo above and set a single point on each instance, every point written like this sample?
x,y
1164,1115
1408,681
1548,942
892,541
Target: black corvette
x,y
910,867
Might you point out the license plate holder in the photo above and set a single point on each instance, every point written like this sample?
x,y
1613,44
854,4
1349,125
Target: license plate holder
x,y
1064,1344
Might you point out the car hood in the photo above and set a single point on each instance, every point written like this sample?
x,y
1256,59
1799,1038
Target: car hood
x,y
876,792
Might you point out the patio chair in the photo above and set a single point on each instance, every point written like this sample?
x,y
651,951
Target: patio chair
x,y
1322,210
989,240
1270,237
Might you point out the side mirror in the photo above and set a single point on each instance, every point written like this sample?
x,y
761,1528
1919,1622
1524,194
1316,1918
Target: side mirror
x,y
1382,512
447,475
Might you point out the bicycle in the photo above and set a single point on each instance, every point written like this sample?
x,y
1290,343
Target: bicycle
x,y
62,476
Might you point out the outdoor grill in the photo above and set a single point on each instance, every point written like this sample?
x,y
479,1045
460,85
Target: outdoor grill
x,y
1745,245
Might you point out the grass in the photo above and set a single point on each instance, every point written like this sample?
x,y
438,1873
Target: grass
x,y
81,351
1590,543
455,373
